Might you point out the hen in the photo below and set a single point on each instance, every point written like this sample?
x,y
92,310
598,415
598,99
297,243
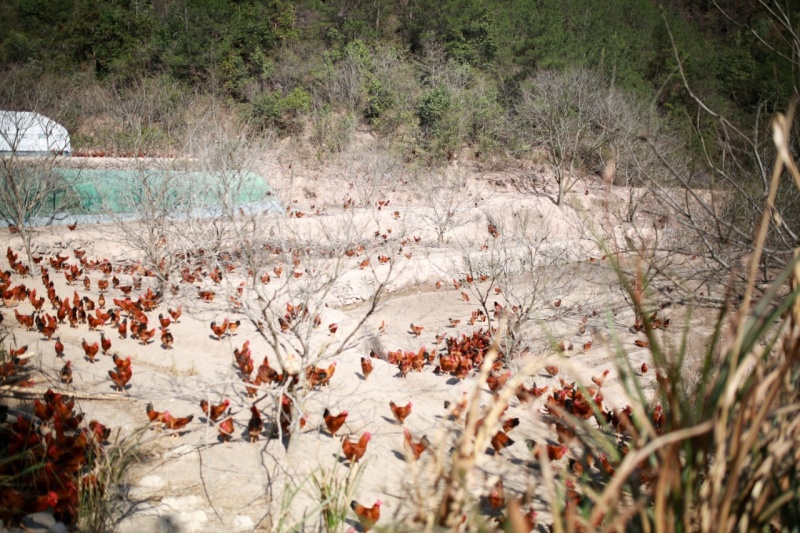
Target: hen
x,y
497,382
255,426
59,347
226,429
105,344
90,351
334,423
414,449
497,497
501,440
354,451
458,409
554,453
233,326
213,412
366,367
219,330
153,415
176,314
120,378
320,376
602,379
401,413
99,431
145,336
120,363
367,516
176,424
66,373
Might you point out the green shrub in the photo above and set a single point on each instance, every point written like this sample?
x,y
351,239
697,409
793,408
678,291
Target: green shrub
x,y
271,109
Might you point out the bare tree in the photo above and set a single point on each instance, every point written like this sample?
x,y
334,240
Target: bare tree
x,y
519,276
33,190
372,171
447,198
563,112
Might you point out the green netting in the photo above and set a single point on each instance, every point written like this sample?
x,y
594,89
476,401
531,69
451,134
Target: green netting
x,y
122,191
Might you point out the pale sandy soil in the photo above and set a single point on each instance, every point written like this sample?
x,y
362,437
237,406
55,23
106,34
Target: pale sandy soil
x,y
196,483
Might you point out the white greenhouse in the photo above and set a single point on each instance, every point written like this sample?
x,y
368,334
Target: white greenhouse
x,y
27,133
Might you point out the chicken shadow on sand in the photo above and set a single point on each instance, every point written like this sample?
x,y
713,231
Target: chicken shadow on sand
x,y
400,455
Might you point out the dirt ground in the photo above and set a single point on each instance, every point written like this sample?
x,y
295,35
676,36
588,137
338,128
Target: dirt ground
x,y
194,482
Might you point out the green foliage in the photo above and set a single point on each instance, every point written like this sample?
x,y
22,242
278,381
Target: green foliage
x,y
433,108
272,109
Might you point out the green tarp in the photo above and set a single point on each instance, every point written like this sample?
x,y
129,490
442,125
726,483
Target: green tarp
x,y
122,191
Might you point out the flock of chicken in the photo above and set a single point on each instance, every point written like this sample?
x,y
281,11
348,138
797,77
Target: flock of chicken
x,y
458,356
50,459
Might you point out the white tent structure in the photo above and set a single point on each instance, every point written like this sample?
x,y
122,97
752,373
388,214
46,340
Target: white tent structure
x,y
28,133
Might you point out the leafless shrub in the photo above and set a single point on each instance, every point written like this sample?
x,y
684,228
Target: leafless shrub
x,y
448,198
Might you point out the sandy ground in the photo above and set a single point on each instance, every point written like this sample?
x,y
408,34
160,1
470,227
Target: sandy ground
x,y
196,483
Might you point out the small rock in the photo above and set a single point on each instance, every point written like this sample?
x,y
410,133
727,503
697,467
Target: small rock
x,y
243,523
151,482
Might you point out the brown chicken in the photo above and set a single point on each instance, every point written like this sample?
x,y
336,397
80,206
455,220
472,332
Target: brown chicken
x,y
59,347
510,424
176,314
401,413
605,465
564,433
120,363
552,370
414,449
226,429
164,321
122,329
66,373
105,344
206,296
176,424
25,320
219,330
602,379
167,339
497,382
367,516
457,409
120,378
266,374
497,497
153,415
90,351
641,343
644,368
501,440
554,453
334,423
366,367
320,376
145,335
416,330
354,451
255,426
233,326
99,432
525,394
213,412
